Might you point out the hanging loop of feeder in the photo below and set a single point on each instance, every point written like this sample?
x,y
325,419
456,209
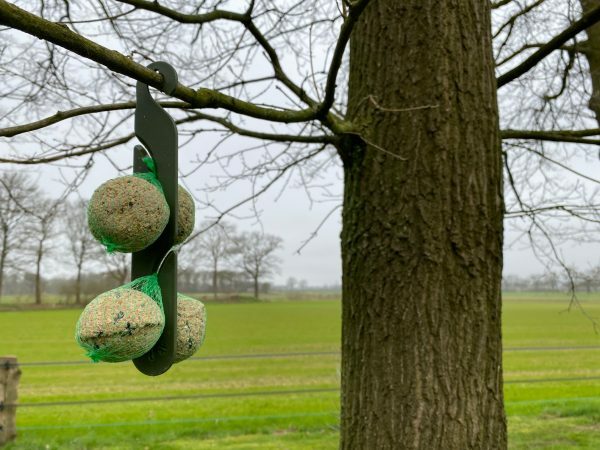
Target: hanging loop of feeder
x,y
156,130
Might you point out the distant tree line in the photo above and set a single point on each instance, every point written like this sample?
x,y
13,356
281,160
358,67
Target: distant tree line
x,y
91,284
222,260
36,230
587,280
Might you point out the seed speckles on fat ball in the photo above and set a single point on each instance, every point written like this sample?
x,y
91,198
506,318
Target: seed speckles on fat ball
x,y
185,215
191,327
127,214
120,325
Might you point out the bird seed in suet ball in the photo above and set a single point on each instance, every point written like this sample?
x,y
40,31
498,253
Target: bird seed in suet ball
x,y
191,326
127,214
185,215
120,325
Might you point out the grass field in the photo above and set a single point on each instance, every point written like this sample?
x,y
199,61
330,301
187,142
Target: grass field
x,y
552,395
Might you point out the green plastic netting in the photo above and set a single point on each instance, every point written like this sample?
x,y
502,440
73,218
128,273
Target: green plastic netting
x,y
127,216
150,176
123,323
191,327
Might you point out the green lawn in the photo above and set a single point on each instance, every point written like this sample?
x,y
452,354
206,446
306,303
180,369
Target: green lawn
x,y
561,412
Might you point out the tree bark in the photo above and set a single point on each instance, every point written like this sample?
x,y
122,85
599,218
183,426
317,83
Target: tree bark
x,y
3,254
422,232
38,275
214,278
255,278
78,285
591,49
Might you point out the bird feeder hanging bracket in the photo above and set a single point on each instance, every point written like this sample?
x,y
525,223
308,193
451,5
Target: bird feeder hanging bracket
x,y
157,131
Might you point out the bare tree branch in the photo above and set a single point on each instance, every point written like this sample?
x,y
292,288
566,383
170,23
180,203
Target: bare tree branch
x,y
587,20
63,115
244,19
186,18
59,34
354,13
323,139
11,15
193,117
575,136
500,3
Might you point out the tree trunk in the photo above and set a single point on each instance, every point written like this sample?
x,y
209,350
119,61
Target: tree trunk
x,y
591,49
78,286
422,232
3,259
255,278
214,279
38,275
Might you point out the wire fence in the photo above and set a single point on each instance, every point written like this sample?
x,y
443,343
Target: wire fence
x,y
196,358
183,420
246,394
281,355
249,394
173,397
270,417
270,392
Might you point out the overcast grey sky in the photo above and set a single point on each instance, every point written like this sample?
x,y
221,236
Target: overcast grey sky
x,y
291,215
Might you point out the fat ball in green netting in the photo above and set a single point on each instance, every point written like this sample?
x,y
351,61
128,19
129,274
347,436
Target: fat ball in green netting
x,y
185,215
191,326
127,214
123,323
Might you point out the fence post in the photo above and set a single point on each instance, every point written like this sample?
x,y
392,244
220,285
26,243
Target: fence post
x,y
9,381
